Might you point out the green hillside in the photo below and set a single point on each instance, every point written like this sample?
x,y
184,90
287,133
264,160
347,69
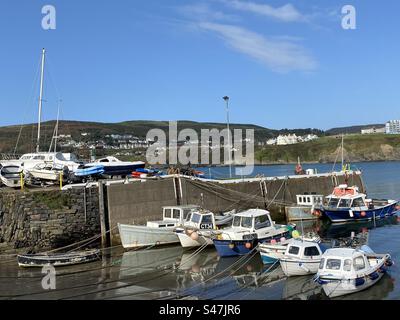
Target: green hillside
x,y
357,147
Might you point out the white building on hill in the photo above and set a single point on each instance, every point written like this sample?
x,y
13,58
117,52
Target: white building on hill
x,y
393,127
286,139
373,130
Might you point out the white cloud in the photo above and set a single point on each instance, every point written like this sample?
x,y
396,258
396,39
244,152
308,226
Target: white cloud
x,y
280,55
286,13
202,12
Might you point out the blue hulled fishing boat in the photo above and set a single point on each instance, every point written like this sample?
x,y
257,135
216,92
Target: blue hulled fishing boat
x,y
347,204
249,228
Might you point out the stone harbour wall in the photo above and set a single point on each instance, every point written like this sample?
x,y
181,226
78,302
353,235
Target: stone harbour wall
x,y
38,220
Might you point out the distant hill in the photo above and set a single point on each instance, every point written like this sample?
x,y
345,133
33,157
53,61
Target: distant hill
x,y
352,129
98,130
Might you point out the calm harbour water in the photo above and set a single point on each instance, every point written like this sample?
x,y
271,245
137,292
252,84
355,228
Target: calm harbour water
x,y
171,272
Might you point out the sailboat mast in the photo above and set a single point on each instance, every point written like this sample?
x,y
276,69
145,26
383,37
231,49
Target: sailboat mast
x,y
342,152
40,100
56,133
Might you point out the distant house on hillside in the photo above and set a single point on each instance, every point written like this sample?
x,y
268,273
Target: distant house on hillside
x,y
393,127
286,139
373,130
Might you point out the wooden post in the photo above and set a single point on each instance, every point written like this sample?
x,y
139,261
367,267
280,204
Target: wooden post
x,y
102,214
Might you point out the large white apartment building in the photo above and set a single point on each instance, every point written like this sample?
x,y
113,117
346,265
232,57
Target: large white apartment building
x,y
393,127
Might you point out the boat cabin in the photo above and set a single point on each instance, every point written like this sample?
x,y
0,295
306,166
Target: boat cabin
x,y
346,197
309,200
338,261
173,216
252,220
201,219
303,250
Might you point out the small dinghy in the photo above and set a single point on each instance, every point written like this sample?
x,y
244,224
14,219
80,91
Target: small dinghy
x,y
59,259
85,171
301,258
344,270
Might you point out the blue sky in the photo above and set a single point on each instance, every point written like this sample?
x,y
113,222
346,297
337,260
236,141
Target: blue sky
x,y
285,64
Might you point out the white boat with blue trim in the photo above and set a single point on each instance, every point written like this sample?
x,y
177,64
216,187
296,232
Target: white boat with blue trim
x,y
344,271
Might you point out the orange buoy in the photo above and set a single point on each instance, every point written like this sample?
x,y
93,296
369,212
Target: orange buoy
x,y
248,245
363,214
194,236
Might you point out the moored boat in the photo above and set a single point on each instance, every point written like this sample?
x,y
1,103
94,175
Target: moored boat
x,y
249,228
198,228
301,258
85,171
344,271
115,167
275,250
58,259
48,172
347,204
155,232
10,175
307,207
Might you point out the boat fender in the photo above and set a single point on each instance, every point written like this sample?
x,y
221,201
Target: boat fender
x,y
231,245
248,245
382,269
359,282
194,236
351,213
363,214
373,276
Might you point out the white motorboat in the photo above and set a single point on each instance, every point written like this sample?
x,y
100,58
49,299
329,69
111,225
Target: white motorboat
x,y
248,229
114,167
275,250
48,172
155,232
10,176
301,258
345,270
199,226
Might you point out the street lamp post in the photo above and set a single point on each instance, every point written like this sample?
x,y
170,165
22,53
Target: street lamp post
x,y
226,98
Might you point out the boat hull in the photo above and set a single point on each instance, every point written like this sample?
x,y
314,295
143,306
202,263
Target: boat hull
x,y
344,287
36,260
187,242
272,254
229,248
348,215
141,236
45,175
120,170
295,267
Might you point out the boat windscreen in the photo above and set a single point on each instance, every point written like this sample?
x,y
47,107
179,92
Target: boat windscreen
x,y
246,222
344,203
333,202
262,222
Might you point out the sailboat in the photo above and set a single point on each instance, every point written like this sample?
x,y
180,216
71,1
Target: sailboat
x,y
30,160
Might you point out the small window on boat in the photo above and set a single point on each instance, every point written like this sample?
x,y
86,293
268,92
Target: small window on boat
x,y
246,222
347,265
170,225
358,202
177,213
236,221
195,218
300,199
161,225
344,203
333,202
304,199
294,250
311,251
333,264
167,213
358,263
321,264
186,213
261,222
308,199
207,219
